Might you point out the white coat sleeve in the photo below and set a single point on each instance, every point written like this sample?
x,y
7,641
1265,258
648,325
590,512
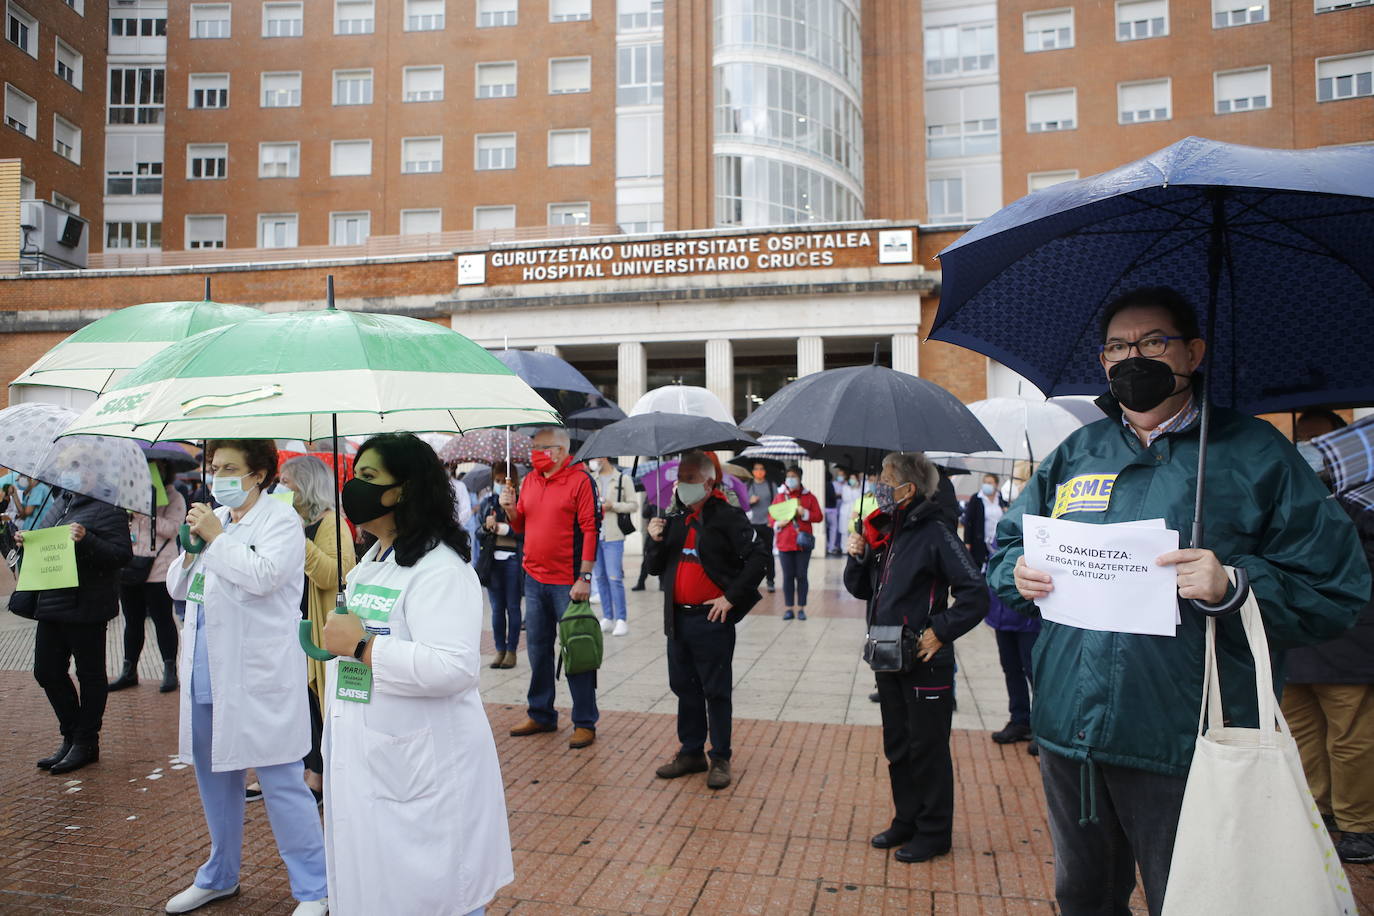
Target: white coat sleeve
x,y
463,499
179,579
277,555
443,656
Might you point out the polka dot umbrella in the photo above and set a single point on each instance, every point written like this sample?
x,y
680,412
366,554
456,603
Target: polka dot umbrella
x,y
111,470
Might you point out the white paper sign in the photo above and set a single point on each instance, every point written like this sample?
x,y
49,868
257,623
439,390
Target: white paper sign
x,y
1104,576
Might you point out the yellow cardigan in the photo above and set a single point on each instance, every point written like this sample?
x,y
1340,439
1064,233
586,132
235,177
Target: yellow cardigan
x,y
322,582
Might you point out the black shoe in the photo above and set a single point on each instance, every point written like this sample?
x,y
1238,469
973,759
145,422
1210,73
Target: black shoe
x,y
1011,733
253,794
128,677
1328,819
637,588
1033,749
875,697
921,850
47,762
771,589
801,613
787,614
1356,848
682,765
169,676
889,838
79,756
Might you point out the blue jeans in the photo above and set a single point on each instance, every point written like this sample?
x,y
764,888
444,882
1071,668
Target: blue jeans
x,y
504,592
610,578
544,607
1014,651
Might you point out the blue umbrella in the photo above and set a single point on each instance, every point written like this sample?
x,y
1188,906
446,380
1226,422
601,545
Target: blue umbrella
x,y
1278,245
567,390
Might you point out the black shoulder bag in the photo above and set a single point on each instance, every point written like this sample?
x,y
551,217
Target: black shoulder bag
x,y
624,520
888,648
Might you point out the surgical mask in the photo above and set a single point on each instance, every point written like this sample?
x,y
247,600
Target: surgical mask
x,y
362,500
988,489
1142,384
793,483
229,491
496,489
689,494
595,465
542,461
853,481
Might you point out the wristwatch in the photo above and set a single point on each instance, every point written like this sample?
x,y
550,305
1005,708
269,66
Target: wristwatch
x,y
362,647
585,577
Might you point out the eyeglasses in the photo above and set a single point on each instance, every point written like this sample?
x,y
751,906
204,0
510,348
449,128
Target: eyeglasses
x,y
1150,347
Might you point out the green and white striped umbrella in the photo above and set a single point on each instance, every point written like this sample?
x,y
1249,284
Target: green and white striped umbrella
x,y
289,375
96,357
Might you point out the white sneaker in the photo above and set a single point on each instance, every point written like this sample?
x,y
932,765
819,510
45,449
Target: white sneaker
x,y
606,624
621,628
195,897
312,907
595,599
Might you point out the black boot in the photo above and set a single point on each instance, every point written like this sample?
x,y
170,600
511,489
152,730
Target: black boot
x,y
47,762
79,756
169,676
127,678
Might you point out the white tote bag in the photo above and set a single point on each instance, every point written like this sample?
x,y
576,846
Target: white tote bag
x,y
1250,839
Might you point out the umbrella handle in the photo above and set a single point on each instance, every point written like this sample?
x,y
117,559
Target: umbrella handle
x,y
307,636
190,542
1231,605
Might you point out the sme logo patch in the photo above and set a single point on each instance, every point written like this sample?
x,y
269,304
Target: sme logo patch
x,y
1084,493
372,602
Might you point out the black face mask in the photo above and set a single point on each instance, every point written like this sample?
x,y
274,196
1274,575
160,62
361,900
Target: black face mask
x,y
362,501
1142,384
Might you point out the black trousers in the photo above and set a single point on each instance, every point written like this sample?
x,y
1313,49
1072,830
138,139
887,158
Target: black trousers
x,y
55,645
139,602
314,760
765,533
917,709
700,657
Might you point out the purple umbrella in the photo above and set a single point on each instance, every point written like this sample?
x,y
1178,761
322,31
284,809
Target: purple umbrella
x,y
658,485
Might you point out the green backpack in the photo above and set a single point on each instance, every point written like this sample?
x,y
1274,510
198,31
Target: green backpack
x,y
580,644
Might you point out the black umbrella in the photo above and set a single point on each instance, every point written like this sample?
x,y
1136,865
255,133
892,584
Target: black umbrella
x,y
179,459
657,434
556,381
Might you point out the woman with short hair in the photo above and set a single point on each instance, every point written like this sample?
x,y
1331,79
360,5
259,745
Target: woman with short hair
x,y
796,538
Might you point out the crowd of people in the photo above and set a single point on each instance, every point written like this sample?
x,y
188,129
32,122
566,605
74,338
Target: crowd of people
x,y
392,739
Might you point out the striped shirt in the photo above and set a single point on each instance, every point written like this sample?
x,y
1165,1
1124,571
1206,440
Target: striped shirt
x,y
1177,423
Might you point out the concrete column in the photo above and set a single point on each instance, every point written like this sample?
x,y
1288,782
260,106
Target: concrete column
x,y
550,349
633,372
811,359
906,353
720,371
810,355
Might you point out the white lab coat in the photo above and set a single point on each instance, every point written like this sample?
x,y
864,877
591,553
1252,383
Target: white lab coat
x,y
254,574
415,809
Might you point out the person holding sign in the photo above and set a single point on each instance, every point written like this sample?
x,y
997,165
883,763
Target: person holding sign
x,y
415,807
1116,713
794,513
68,582
241,671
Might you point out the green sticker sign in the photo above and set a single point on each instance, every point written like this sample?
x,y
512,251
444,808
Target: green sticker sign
x,y
373,602
49,560
354,681
196,592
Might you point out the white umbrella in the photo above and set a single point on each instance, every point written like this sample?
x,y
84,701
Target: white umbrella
x,y
1026,431
111,470
684,399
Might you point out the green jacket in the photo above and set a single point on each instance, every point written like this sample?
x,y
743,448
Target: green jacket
x,y
1133,700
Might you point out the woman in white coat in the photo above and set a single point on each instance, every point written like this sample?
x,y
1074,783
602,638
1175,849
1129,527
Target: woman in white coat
x,y
241,670
415,810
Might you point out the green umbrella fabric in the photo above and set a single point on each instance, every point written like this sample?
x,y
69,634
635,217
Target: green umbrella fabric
x,y
287,375
96,357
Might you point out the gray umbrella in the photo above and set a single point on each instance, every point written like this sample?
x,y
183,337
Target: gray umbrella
x,y
111,470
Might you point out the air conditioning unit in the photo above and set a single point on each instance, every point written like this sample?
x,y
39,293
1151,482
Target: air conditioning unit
x,y
53,239
31,216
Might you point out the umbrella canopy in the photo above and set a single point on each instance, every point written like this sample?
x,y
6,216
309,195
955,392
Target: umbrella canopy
x,y
292,375
487,446
779,448
659,483
1348,455
1025,431
662,434
685,399
563,387
96,357
592,418
1277,244
113,471
178,458
1084,408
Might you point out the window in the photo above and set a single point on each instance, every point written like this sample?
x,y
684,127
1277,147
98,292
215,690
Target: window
x,y
639,145
1226,13
954,49
27,189
353,17
422,84
135,235
639,74
206,160
570,147
1142,19
134,34
350,157
209,20
281,90
1242,90
495,81
494,13
277,230
136,95
1049,30
21,112
424,15
419,222
569,10
639,14
1326,6
204,231
493,218
945,197
279,160
1036,181
66,139
422,154
133,164
78,5
67,63
63,202
1345,77
21,29
570,74
1147,101
579,214
283,20
639,209
495,151
352,87
209,90
962,122
349,228
1055,109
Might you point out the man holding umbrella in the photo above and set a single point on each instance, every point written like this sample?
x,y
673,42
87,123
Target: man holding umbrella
x,y
1116,713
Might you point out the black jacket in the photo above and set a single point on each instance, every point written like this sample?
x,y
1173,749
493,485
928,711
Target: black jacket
x,y
974,514
909,580
100,555
947,501
732,555
1349,658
